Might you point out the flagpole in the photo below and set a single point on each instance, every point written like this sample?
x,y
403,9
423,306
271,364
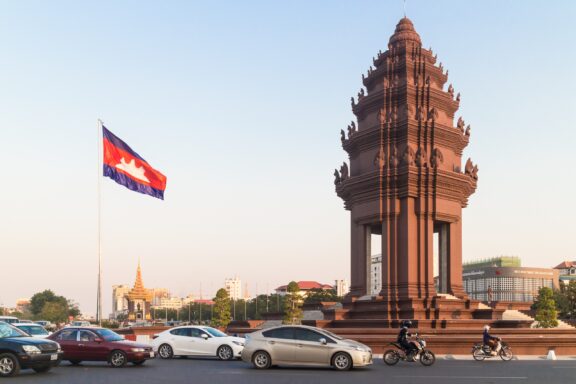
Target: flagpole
x,y
99,167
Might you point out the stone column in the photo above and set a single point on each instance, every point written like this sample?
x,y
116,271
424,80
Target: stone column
x,y
407,251
455,286
360,249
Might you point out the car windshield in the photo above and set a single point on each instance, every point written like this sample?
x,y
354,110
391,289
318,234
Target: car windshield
x,y
328,333
109,335
214,332
32,330
10,331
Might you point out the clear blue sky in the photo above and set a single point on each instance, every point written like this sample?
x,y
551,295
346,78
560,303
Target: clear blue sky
x,y
240,104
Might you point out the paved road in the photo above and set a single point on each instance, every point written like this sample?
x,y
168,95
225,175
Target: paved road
x,y
199,371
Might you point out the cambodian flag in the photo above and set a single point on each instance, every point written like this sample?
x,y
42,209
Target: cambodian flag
x,y
127,168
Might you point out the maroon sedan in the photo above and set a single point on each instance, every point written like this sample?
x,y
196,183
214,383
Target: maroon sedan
x,y
100,344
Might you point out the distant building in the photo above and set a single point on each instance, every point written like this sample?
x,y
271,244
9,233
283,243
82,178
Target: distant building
x,y
304,287
119,300
234,288
23,305
566,271
376,275
342,287
504,279
170,303
158,294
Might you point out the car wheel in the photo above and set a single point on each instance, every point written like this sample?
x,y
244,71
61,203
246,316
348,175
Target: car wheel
x,y
342,361
117,359
42,369
165,351
261,360
75,362
225,352
139,362
9,365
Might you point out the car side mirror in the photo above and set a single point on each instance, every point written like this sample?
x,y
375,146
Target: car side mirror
x,y
98,340
323,341
205,336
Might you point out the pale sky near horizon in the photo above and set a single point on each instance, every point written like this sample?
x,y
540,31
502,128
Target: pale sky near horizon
x,y
240,105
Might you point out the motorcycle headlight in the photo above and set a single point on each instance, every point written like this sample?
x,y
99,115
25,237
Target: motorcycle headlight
x,y
31,349
238,343
138,349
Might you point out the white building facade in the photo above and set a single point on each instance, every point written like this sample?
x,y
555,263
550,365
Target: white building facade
x,y
234,288
376,275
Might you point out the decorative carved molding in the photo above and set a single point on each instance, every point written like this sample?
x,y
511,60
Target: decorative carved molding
x,y
408,156
421,157
437,158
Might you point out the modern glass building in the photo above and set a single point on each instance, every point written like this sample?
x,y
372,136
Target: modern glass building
x,y
504,279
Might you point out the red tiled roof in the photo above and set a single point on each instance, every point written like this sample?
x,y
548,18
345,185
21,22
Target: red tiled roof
x,y
565,264
203,301
306,286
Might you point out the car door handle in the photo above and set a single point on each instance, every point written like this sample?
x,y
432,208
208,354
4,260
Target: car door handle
x,y
299,345
271,342
81,345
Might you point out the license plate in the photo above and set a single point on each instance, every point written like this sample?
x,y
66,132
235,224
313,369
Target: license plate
x,y
151,354
54,356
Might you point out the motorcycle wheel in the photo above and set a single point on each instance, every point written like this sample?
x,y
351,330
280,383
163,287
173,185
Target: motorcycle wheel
x,y
478,354
506,354
427,358
391,357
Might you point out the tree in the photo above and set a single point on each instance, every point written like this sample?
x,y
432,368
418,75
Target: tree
x,y
545,307
41,299
221,316
55,312
292,304
317,295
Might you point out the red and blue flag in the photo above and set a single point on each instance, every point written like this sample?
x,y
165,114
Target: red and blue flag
x,y
129,169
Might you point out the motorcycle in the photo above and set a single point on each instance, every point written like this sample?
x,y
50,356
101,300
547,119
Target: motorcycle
x,y
481,352
426,356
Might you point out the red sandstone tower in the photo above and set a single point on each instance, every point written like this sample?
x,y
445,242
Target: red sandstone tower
x,y
406,182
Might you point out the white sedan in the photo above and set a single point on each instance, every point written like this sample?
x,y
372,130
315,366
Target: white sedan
x,y
197,341
33,329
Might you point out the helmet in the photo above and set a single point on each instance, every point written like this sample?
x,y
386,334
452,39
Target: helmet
x,y
486,327
406,323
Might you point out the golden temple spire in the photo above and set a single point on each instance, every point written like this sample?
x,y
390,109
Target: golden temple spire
x,y
138,291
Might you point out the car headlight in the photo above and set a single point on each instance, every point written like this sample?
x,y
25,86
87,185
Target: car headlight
x,y
361,349
238,343
138,350
31,349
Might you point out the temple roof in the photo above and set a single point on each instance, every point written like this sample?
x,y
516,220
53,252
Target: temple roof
x,y
405,32
138,291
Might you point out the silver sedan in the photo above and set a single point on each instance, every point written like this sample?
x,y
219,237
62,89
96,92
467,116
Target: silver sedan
x,y
305,346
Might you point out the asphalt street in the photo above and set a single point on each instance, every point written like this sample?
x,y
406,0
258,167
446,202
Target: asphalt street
x,y
193,370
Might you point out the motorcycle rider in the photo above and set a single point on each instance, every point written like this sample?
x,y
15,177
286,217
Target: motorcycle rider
x,y
409,346
492,341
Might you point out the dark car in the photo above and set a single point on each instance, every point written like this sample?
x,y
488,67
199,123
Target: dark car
x,y
20,351
100,344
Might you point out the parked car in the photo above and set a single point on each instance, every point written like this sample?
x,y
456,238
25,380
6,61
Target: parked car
x,y
192,340
9,319
33,329
302,345
100,344
80,323
20,351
